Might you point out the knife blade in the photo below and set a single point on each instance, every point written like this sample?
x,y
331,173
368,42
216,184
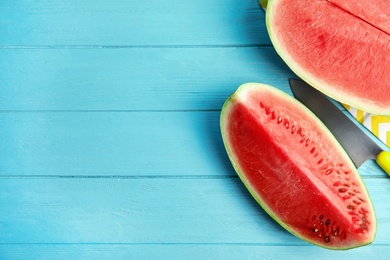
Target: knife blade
x,y
359,146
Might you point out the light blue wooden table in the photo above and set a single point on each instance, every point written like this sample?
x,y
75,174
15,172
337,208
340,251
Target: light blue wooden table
x,y
109,133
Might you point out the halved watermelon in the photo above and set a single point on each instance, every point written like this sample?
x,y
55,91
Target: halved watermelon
x,y
340,47
295,169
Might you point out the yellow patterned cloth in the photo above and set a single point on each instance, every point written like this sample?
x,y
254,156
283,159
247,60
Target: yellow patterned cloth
x,y
378,125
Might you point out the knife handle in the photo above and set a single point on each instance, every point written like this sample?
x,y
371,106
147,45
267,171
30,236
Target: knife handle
x,y
383,160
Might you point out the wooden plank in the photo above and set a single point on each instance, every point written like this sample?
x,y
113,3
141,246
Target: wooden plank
x,y
132,23
190,251
112,143
133,79
149,211
117,143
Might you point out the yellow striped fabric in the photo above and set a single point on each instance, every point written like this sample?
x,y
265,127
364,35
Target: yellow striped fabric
x,y
378,125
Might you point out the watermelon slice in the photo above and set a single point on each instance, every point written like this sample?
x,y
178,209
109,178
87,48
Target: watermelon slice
x,y
295,168
340,47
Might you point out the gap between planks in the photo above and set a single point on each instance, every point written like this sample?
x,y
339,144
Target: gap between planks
x,y
179,46
175,177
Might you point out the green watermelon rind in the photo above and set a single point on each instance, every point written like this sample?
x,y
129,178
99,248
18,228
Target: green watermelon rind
x,y
223,121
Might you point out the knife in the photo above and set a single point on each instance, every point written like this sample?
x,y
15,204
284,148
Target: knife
x,y
359,146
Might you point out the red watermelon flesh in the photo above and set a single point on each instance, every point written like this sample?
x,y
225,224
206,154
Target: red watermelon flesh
x,y
340,47
295,169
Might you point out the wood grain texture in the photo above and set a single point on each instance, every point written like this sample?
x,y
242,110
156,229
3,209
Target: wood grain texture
x,y
112,143
131,23
133,79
